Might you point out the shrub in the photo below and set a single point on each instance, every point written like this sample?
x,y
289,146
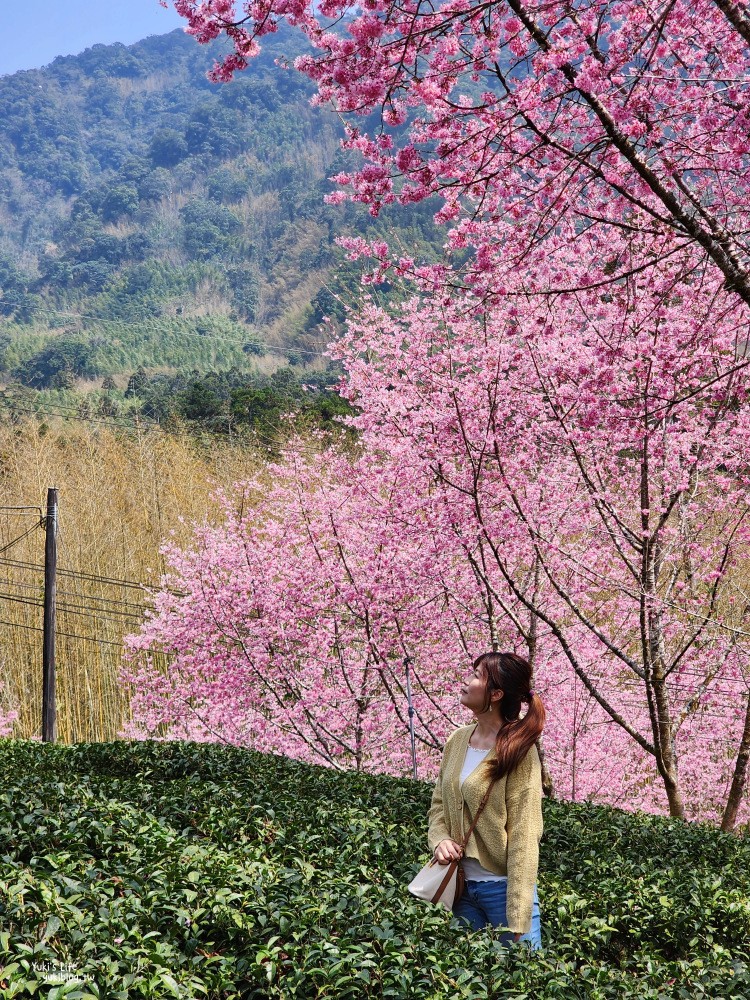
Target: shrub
x,y
62,359
174,869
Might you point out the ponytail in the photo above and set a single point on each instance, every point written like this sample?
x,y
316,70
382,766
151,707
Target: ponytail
x,y
511,674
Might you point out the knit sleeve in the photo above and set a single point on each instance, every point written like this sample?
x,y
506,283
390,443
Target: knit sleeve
x,y
523,804
437,829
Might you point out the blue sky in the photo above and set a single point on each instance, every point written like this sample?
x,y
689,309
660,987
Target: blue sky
x,y
33,32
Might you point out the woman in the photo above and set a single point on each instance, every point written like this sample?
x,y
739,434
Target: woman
x,y
501,857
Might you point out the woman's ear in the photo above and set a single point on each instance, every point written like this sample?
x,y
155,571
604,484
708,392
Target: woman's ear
x,y
496,696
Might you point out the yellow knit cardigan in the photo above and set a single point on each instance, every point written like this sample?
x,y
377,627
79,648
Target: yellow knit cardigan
x,y
506,837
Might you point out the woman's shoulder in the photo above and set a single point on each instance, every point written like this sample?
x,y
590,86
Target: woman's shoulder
x,y
528,770
532,761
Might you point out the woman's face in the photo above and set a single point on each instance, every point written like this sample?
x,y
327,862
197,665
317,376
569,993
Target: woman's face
x,y
474,690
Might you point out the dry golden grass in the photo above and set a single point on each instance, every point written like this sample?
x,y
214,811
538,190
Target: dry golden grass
x,y
121,493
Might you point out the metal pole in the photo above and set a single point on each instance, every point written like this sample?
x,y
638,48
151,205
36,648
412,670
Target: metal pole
x,y
49,713
407,661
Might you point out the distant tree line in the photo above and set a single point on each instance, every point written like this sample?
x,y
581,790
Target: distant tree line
x,y
229,402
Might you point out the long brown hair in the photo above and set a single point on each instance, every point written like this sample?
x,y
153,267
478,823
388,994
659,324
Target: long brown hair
x,y
511,674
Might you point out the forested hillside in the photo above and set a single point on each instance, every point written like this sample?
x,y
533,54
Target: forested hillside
x,y
152,220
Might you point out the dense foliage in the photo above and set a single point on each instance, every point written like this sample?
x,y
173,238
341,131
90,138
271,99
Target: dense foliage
x,y
139,203
250,409
172,869
122,166
228,402
114,347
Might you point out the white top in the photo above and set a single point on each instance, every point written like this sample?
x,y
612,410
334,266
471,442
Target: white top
x,y
472,760
472,869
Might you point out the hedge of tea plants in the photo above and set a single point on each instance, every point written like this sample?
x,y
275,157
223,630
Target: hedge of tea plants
x,y
182,870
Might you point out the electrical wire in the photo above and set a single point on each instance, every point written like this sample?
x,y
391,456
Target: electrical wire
x,y
75,410
62,609
125,617
80,574
96,597
22,600
36,587
629,704
633,707
66,635
71,416
67,607
20,538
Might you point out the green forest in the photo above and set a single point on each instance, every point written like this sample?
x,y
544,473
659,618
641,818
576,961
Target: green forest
x,y
165,240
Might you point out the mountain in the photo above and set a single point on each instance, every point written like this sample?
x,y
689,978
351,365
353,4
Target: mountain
x,y
151,219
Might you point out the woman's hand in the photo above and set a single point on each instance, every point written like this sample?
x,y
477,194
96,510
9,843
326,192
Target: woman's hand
x,y
447,851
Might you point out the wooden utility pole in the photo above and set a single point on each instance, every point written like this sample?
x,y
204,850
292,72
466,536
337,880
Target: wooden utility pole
x,y
49,712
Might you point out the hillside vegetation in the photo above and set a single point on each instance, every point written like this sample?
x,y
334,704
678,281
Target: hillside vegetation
x,y
162,870
151,218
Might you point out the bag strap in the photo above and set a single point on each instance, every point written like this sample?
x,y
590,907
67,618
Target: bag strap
x,y
450,869
479,812
453,865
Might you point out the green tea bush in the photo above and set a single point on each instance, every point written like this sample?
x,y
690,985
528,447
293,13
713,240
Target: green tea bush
x,y
172,869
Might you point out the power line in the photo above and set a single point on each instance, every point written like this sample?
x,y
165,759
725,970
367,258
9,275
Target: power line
x,y
66,609
93,578
33,628
38,412
65,406
22,600
97,597
35,588
77,594
73,609
635,707
24,586
134,584
80,574
67,635
20,538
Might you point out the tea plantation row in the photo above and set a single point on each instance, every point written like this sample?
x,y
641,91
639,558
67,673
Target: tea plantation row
x,y
181,870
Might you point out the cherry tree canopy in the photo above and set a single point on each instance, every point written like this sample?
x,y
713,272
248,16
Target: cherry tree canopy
x,y
534,120
571,478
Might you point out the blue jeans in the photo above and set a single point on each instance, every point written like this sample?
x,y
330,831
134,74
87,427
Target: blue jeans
x,y
483,904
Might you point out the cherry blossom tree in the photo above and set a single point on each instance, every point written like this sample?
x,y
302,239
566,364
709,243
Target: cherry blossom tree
x,y
285,627
603,439
570,477
536,122
7,719
554,431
